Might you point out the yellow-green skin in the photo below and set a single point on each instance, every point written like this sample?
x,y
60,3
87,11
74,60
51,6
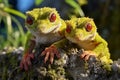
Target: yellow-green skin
x,y
88,40
43,31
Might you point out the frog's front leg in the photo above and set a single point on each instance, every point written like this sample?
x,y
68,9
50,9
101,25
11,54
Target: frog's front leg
x,y
26,61
52,51
28,55
87,54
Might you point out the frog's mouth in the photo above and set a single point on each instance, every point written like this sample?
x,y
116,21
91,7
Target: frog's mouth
x,y
45,30
52,29
55,29
85,38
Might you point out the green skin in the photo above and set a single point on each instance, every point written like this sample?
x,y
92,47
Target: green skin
x,y
83,32
45,28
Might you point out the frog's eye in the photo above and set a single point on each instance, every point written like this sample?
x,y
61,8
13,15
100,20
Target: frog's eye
x,y
88,27
68,29
52,17
29,20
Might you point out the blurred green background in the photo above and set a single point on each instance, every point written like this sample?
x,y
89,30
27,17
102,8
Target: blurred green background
x,y
106,14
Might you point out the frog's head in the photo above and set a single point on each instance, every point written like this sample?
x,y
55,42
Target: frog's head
x,y
43,20
80,29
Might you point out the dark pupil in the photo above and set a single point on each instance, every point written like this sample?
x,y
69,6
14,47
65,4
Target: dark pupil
x,y
29,20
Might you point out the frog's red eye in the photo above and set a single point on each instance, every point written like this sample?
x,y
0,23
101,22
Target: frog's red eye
x,y
68,29
88,27
52,17
29,20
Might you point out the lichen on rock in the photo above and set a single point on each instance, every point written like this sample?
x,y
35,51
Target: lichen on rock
x,y
68,67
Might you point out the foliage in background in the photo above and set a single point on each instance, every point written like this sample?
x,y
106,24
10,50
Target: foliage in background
x,y
37,2
12,37
77,6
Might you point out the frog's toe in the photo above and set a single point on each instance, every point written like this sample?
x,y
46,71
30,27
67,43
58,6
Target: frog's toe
x,y
50,52
26,61
87,54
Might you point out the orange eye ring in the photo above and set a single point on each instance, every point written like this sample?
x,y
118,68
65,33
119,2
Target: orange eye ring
x,y
52,17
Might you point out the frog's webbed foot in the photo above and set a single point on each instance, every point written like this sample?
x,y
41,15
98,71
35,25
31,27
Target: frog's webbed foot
x,y
87,54
50,53
26,61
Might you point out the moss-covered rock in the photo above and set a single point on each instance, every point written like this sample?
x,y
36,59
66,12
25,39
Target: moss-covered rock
x,y
68,67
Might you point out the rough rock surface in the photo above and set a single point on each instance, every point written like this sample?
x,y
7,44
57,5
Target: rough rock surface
x,y
68,67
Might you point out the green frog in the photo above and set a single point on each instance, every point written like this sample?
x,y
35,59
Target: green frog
x,y
46,27
83,32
